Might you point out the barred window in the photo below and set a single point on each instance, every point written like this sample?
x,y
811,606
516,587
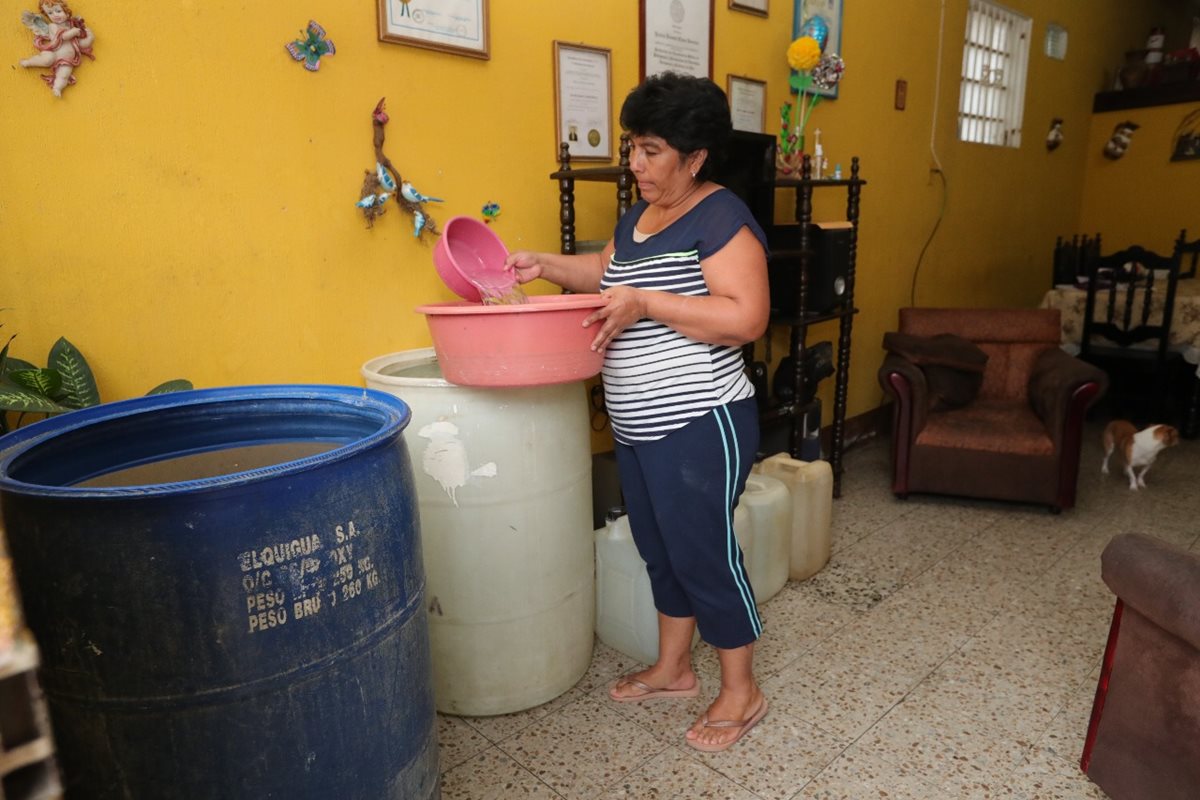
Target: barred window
x,y
991,100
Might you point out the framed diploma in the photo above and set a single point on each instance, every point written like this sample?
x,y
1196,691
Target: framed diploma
x,y
453,26
676,36
747,103
758,7
820,14
582,101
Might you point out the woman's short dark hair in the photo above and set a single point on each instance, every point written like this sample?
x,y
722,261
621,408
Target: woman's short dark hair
x,y
689,113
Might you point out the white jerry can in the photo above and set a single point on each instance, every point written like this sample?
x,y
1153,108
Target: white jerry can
x,y
766,549
811,485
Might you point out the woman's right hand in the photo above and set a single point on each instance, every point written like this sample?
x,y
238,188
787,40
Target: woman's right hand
x,y
525,264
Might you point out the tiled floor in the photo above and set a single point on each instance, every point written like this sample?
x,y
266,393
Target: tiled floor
x,y
950,649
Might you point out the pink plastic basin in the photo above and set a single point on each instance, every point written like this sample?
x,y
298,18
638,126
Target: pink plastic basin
x,y
469,249
534,344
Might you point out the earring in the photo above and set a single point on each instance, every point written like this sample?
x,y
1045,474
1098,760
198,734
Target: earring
x,y
693,174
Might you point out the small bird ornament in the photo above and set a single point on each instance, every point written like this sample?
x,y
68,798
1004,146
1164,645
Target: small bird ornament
x,y
410,193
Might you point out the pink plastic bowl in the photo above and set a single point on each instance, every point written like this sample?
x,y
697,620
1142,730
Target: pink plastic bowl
x,y
534,344
469,249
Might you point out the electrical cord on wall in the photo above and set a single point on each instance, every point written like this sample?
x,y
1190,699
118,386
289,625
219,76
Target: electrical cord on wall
x,y
936,167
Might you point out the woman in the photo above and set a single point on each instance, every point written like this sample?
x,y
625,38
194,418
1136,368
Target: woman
x,y
685,283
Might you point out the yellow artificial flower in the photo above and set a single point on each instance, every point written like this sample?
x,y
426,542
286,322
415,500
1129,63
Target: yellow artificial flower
x,y
804,53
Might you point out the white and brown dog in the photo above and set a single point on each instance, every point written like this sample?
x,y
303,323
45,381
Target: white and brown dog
x,y
1136,448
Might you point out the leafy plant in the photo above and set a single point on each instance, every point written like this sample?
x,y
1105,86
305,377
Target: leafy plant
x,y
64,384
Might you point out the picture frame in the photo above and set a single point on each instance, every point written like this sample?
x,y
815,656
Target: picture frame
x,y
451,26
675,35
830,11
756,7
583,101
747,103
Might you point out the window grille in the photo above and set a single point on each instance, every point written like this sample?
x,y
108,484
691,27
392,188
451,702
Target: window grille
x,y
991,100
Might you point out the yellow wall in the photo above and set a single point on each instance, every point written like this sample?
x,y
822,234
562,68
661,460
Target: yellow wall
x,y
1143,197
187,208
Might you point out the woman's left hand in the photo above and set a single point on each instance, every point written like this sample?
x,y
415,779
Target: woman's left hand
x,y
624,305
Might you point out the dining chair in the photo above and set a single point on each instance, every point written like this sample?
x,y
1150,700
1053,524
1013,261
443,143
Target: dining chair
x,y
1188,254
1127,325
1071,258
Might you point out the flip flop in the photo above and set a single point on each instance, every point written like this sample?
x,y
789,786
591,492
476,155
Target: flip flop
x,y
648,691
744,727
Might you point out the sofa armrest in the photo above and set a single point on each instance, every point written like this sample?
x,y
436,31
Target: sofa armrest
x,y
1158,579
1054,393
906,383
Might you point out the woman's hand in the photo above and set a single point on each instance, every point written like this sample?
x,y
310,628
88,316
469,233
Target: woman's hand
x,y
623,306
525,264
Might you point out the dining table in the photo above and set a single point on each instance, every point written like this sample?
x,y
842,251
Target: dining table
x,y
1184,335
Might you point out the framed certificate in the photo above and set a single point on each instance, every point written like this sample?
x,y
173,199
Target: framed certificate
x,y
758,7
582,101
676,35
453,26
747,103
828,12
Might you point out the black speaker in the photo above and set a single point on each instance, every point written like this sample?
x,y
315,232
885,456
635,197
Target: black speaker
x,y
828,266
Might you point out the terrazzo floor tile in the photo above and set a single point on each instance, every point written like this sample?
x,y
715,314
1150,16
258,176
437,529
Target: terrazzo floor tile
x,y
493,775
457,742
952,753
857,777
1046,777
500,727
778,755
584,749
674,775
1068,730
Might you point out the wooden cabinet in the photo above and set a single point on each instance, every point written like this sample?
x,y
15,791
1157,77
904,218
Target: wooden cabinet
x,y
27,766
798,254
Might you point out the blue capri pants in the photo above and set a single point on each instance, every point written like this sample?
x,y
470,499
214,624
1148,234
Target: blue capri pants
x,y
680,492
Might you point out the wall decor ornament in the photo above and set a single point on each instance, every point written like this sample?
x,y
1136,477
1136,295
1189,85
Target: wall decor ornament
x,y
490,211
1118,143
1187,138
1055,136
62,40
812,71
385,182
311,47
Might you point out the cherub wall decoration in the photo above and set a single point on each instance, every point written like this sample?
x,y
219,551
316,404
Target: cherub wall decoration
x,y
62,40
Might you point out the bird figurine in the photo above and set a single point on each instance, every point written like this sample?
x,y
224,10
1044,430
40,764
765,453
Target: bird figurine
x,y
373,200
1116,146
1055,136
418,223
410,193
385,178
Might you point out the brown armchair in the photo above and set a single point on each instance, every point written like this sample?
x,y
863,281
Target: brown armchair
x,y
1143,740
1019,438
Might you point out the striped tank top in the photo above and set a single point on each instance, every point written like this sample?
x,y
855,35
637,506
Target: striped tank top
x,y
656,380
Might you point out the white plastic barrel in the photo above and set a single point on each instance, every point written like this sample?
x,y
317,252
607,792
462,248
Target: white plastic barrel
x,y
767,504
811,485
626,619
503,480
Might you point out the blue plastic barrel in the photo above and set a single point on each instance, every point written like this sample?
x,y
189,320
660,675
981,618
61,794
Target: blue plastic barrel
x,y
227,590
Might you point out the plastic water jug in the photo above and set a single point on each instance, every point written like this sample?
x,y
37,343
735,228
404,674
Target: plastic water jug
x,y
626,619
811,485
767,506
